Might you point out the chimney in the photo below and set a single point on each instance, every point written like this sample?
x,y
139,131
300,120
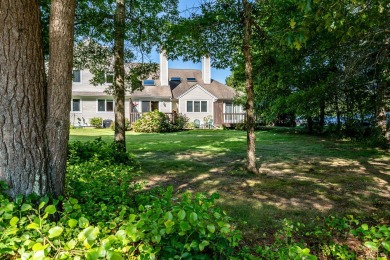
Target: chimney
x,y
163,69
206,69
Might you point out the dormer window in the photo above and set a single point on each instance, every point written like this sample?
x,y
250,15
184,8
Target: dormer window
x,y
149,82
191,79
109,77
175,79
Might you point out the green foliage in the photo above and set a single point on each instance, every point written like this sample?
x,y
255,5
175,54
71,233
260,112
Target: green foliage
x,y
98,150
158,122
127,125
152,122
97,122
376,238
191,227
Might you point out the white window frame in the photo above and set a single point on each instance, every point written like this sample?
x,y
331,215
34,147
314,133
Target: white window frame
x,y
234,106
105,77
233,118
200,107
81,106
81,77
105,105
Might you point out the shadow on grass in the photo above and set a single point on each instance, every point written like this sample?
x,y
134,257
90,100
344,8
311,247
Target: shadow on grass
x,y
302,177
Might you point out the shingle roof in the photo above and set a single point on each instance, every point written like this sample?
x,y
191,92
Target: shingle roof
x,y
177,88
156,91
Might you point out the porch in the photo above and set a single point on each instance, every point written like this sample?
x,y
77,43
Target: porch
x,y
224,119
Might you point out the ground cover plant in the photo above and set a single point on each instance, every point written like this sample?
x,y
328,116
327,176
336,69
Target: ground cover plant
x,y
304,178
107,213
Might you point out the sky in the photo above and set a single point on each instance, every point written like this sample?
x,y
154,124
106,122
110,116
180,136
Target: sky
x,y
216,74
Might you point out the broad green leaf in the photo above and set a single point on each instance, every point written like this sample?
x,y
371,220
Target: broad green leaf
x,y
14,221
169,223
39,247
25,207
41,205
51,209
156,238
365,227
184,226
203,244
193,217
132,217
112,255
83,222
211,228
92,254
55,232
181,214
168,216
386,245
72,223
90,234
121,234
32,226
371,245
71,244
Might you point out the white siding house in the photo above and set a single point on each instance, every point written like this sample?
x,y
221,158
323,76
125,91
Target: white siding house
x,y
186,91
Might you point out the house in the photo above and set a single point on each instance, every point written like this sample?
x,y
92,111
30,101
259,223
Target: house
x,y
187,91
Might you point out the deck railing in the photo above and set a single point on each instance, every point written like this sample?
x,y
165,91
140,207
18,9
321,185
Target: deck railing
x,y
234,118
134,116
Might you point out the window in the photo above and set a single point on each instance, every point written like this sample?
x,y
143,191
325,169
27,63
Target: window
x,y
175,79
105,105
233,108
149,82
76,105
109,77
197,106
145,106
191,79
76,76
234,113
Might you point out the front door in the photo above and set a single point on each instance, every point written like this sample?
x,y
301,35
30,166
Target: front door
x,y
154,105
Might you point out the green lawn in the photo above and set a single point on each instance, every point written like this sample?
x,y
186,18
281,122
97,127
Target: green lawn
x,y
302,177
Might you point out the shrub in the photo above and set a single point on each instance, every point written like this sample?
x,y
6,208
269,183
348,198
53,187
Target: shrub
x,y
189,125
97,122
180,122
152,122
127,125
191,227
98,150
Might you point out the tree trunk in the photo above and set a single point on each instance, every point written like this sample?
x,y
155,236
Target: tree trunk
x,y
250,116
338,113
381,110
310,124
322,116
23,145
59,91
119,75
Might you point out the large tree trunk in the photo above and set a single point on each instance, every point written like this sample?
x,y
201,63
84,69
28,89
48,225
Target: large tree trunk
x,y
250,116
119,75
23,144
59,89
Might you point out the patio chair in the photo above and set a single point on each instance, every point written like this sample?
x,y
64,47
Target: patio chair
x,y
197,123
210,124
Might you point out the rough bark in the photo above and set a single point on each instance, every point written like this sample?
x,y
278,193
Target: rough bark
x,y
250,116
119,75
59,89
23,153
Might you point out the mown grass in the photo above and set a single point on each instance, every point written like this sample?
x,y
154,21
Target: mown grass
x,y
302,177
